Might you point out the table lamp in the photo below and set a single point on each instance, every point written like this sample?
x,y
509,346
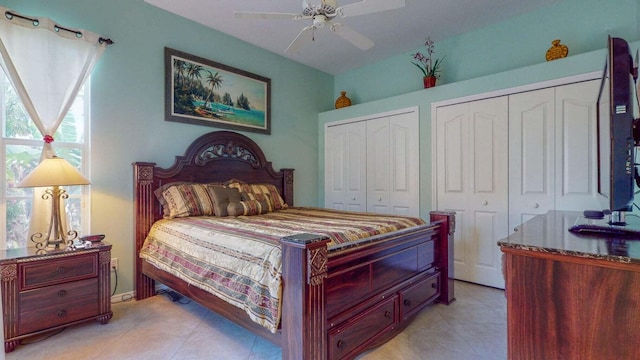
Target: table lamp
x,y
53,173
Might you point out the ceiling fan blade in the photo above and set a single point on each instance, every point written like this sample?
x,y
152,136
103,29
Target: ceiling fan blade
x,y
357,39
304,36
369,6
266,15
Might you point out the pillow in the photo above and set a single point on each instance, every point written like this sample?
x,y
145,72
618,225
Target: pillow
x,y
261,192
158,193
222,197
251,207
187,199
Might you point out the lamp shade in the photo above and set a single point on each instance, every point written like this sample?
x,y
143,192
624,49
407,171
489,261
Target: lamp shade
x,y
54,171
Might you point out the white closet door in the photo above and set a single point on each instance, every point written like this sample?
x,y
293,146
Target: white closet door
x,y
393,168
451,148
531,155
488,200
378,166
472,181
576,147
345,167
405,164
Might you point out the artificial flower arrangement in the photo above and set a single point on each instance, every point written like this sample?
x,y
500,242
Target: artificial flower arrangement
x,y
425,63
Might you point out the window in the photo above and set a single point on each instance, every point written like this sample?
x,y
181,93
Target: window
x,y
21,147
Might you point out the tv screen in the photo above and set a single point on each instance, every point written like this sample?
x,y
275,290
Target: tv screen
x,y
615,128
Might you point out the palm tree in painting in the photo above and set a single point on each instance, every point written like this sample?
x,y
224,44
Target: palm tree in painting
x,y
213,80
179,67
193,72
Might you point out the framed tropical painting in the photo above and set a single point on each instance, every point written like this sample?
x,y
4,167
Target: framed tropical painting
x,y
204,92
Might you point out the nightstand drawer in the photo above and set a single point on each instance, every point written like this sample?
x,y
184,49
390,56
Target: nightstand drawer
x,y
49,272
58,304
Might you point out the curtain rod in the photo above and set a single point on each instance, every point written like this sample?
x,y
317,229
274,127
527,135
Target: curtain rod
x,y
9,15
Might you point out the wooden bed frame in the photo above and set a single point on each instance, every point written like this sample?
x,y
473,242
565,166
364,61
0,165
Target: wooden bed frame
x,y
336,304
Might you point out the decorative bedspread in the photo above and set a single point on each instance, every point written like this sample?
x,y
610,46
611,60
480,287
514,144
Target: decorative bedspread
x,y
239,259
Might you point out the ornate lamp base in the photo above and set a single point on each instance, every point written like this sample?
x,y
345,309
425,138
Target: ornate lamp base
x,y
56,238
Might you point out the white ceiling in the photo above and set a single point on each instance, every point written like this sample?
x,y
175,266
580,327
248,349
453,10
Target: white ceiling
x,y
394,32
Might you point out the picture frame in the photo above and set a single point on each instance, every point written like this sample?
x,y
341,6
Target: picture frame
x,y
204,92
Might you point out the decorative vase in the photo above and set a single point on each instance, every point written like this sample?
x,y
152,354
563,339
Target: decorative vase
x,y
343,100
557,51
429,81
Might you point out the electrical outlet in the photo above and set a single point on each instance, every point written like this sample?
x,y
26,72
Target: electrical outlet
x,y
114,264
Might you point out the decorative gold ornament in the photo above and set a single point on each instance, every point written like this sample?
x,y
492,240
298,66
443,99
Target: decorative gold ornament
x,y
343,100
557,51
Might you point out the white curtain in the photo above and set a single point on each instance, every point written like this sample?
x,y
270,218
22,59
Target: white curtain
x,y
47,64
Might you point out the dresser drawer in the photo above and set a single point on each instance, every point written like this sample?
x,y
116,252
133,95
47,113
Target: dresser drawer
x,y
417,296
57,304
49,272
363,328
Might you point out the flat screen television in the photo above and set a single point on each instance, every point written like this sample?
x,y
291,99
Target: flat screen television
x,y
615,134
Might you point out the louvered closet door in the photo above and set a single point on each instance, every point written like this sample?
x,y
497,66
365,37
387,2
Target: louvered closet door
x,y
345,167
472,160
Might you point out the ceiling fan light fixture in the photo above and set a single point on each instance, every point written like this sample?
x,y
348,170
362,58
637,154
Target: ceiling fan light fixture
x,y
323,15
319,21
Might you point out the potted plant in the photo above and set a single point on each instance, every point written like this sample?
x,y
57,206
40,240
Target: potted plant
x,y
430,68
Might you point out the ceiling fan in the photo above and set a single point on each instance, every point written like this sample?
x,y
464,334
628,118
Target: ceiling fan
x,y
323,14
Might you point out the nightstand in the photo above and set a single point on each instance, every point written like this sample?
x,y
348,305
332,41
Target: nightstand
x,y
43,292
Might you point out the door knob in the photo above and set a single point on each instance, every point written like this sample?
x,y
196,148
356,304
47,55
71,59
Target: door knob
x,y
485,203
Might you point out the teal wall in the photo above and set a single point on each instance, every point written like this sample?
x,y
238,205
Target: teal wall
x,y
127,90
519,42
502,56
127,100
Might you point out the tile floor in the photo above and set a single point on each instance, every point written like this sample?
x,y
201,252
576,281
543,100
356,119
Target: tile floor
x,y
473,327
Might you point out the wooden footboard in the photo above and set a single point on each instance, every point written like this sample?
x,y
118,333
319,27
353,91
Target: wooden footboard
x,y
336,303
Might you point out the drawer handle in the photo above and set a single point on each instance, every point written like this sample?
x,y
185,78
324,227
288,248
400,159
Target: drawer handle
x,y
387,314
340,344
62,293
60,270
434,285
62,313
407,302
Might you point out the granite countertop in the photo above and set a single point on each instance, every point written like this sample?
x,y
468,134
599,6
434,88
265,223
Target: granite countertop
x,y
549,233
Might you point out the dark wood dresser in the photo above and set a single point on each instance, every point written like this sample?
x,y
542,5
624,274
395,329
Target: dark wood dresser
x,y
570,296
44,292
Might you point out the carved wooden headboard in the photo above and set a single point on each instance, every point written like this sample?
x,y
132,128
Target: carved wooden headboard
x,y
214,157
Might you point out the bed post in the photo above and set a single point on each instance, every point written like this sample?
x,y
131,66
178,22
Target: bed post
x,y
287,186
444,247
304,260
144,218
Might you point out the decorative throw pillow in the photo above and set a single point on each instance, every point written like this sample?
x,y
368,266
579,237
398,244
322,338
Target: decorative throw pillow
x,y
222,197
184,200
261,192
158,193
251,207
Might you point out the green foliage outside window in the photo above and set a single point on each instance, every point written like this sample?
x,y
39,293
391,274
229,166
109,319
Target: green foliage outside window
x,y
22,146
